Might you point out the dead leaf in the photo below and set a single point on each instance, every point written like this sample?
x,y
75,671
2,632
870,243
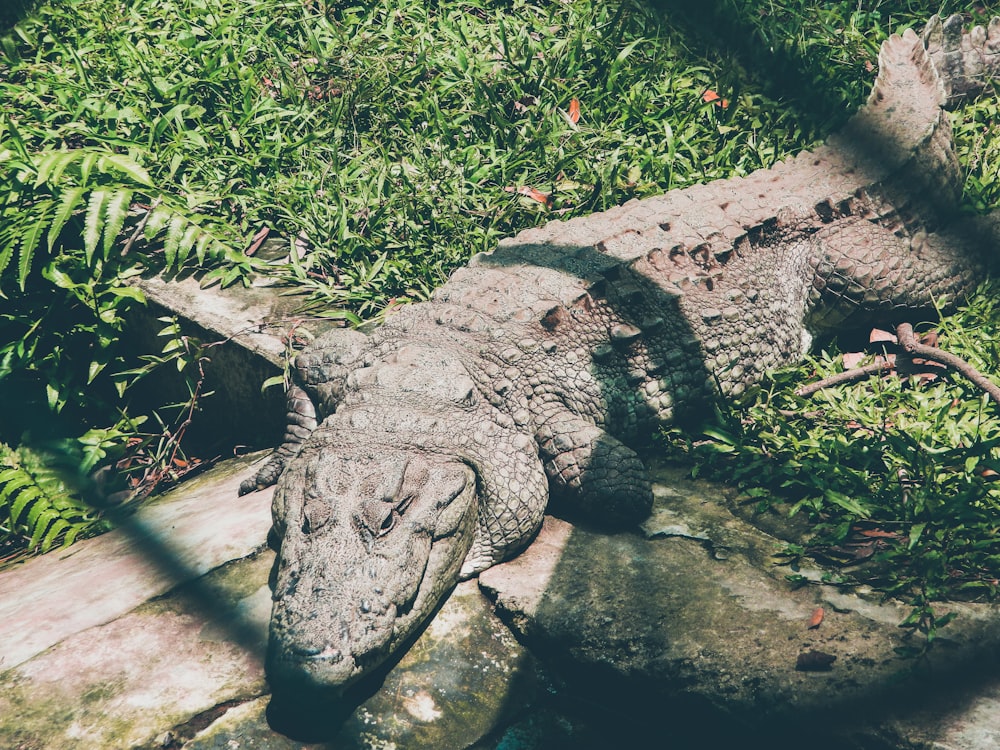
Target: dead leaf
x,y
879,534
574,111
816,619
712,96
258,240
852,359
536,195
877,335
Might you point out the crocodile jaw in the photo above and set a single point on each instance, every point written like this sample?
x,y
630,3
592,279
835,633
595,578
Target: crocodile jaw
x,y
371,542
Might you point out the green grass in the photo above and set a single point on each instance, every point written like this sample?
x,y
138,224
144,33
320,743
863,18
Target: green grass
x,y
387,141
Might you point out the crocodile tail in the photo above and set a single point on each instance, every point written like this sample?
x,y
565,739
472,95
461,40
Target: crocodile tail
x,y
904,128
965,61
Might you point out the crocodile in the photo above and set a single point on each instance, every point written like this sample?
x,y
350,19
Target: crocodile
x,y
426,451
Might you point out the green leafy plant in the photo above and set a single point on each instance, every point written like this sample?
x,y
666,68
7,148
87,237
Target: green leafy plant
x,y
896,475
39,506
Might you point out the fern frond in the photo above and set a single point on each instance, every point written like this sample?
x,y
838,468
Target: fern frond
x,y
126,166
6,253
204,240
187,242
175,233
36,504
27,493
158,218
92,223
114,217
87,164
50,165
31,239
68,205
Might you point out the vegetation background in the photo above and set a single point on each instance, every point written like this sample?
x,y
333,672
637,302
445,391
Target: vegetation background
x,y
383,144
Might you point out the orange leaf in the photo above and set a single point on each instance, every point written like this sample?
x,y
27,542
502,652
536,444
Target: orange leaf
x,y
257,241
878,334
816,619
574,111
530,192
879,534
712,96
852,359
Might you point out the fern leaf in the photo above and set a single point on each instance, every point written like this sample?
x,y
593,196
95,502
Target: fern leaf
x,y
13,480
27,496
191,235
68,205
38,525
158,219
38,506
58,527
174,234
127,166
51,165
92,222
31,240
6,252
87,164
204,240
114,218
72,533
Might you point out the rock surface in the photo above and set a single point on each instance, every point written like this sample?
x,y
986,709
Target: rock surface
x,y
153,636
685,631
694,626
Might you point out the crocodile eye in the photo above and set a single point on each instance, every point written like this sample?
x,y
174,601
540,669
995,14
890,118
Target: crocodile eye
x,y
388,523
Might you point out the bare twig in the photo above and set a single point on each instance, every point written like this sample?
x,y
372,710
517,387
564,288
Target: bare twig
x,y
908,341
848,376
140,227
904,333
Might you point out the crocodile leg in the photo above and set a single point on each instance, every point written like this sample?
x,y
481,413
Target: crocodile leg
x,y
300,421
317,387
599,474
864,270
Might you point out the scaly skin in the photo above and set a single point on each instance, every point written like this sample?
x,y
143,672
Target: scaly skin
x,y
427,452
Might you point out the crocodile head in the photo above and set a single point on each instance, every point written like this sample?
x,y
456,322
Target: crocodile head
x,y
372,539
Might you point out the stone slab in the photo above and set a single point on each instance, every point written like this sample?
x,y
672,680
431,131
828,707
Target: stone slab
x,y
691,626
181,536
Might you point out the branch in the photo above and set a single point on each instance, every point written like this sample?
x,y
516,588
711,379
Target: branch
x,y
847,376
904,333
140,226
906,339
